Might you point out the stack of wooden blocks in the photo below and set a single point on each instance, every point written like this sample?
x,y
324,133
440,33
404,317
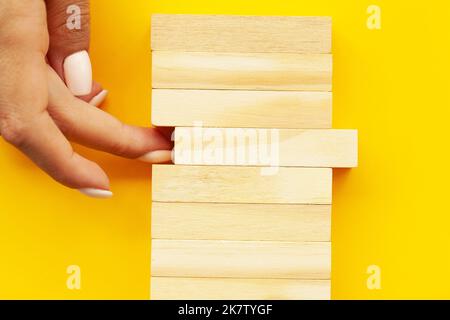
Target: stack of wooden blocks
x,y
247,228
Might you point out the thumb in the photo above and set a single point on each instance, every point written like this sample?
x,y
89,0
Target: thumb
x,y
69,30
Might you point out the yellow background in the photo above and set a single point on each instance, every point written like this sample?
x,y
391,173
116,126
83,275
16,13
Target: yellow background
x,y
391,84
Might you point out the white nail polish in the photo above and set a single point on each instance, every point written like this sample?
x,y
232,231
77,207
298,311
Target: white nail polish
x,y
96,193
78,73
158,156
99,98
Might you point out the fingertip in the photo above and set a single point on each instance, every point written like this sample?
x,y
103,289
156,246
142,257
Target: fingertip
x,y
160,141
99,98
158,156
167,132
96,193
85,174
95,91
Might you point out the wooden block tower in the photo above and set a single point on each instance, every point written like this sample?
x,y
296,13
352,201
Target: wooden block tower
x,y
245,211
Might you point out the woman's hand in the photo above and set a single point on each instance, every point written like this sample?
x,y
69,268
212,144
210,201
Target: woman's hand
x,y
45,81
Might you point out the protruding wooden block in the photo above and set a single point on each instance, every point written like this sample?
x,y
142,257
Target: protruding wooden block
x,y
230,221
241,259
242,109
179,183
165,288
242,71
182,32
263,147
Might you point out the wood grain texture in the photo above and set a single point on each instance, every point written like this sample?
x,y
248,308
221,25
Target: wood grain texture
x,y
244,109
260,147
182,32
241,259
220,221
179,183
169,288
241,71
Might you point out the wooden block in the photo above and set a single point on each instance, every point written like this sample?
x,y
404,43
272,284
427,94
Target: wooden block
x,y
179,183
168,288
220,221
242,109
241,259
241,71
264,147
232,33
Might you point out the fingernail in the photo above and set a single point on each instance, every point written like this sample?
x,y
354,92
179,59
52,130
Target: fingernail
x,y
99,98
78,73
96,193
158,156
